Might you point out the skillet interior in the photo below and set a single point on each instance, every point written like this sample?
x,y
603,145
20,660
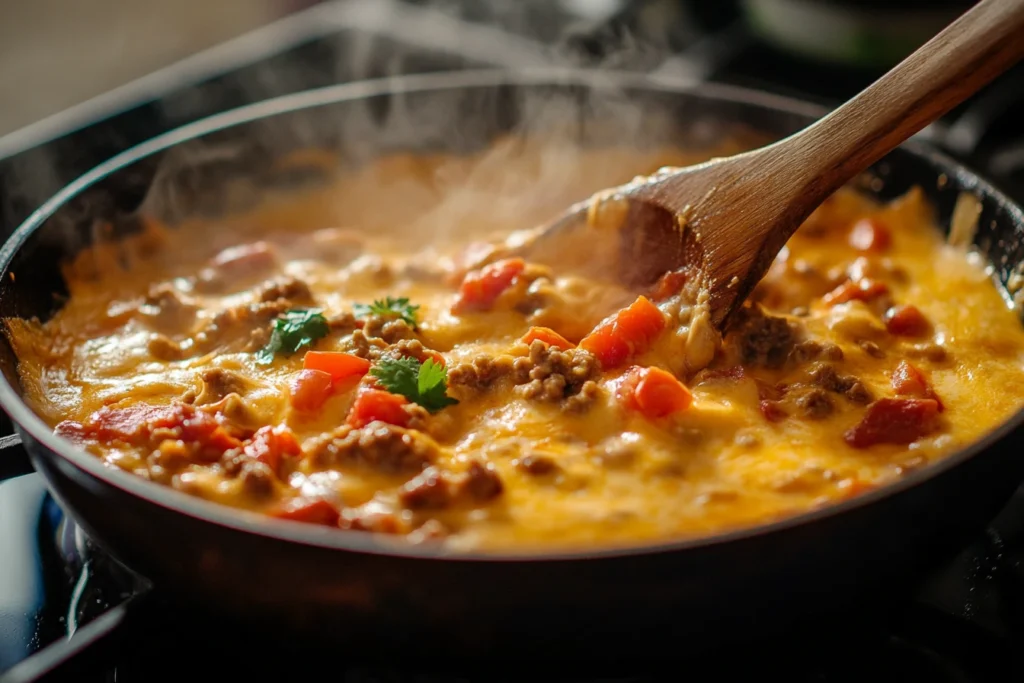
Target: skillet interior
x,y
188,172
224,163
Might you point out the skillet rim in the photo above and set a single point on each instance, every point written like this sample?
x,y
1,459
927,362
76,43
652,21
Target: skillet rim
x,y
257,524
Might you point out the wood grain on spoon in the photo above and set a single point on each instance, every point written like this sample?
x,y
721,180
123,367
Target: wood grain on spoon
x,y
730,217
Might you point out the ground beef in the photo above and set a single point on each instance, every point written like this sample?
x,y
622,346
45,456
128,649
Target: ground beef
x,y
379,446
537,465
813,402
257,479
342,322
290,289
764,339
165,309
217,383
929,351
249,323
358,344
433,489
545,374
810,349
871,348
387,328
553,375
481,373
166,349
825,376
408,348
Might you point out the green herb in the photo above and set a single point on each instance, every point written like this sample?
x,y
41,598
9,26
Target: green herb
x,y
292,331
390,308
422,383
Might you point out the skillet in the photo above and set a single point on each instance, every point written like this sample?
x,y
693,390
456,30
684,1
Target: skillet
x,y
377,594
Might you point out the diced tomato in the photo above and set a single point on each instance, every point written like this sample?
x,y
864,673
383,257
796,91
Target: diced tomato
x,y
625,333
654,392
481,288
374,404
310,511
548,336
309,389
906,321
862,290
869,234
893,420
135,425
436,357
669,285
908,380
270,445
344,368
771,410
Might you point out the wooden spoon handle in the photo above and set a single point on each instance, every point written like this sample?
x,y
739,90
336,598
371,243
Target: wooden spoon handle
x,y
942,73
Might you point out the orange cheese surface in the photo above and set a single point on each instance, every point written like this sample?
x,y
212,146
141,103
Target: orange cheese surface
x,y
495,410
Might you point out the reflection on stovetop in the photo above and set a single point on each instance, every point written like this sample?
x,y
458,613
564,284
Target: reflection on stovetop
x,y
965,623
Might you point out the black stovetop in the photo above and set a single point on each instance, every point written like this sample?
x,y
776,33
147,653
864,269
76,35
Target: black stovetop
x,y
64,602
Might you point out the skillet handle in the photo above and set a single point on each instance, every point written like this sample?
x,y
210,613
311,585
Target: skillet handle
x,y
14,460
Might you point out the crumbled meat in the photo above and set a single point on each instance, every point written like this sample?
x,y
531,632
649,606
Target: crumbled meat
x,y
238,323
342,322
813,402
537,464
408,348
218,383
545,374
433,489
583,399
764,339
928,350
257,479
388,328
429,490
358,344
871,348
165,309
814,350
290,289
553,374
379,446
482,482
165,349
480,373
826,377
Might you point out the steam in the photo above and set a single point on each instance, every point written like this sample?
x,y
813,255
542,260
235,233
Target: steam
x,y
388,38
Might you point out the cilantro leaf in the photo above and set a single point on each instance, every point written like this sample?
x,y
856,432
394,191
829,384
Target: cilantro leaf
x,y
422,383
389,308
432,384
293,330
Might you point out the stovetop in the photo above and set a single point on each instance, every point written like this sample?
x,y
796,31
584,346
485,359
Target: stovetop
x,y
65,604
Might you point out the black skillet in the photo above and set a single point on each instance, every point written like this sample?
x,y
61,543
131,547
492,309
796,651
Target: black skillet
x,y
368,594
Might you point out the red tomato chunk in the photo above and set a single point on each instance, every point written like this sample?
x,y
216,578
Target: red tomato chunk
x,y
895,421
481,288
625,333
375,405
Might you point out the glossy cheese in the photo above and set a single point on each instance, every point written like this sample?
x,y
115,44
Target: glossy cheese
x,y
748,450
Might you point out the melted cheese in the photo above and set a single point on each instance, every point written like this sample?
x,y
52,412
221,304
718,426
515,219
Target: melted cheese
x,y
399,227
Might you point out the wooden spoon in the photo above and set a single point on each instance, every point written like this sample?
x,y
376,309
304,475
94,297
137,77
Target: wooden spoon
x,y
729,218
